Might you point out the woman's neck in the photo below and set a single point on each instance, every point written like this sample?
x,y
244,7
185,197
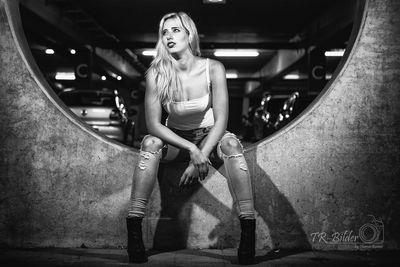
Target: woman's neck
x,y
185,62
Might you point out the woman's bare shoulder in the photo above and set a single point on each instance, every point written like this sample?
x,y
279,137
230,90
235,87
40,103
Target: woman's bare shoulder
x,y
150,78
151,74
216,67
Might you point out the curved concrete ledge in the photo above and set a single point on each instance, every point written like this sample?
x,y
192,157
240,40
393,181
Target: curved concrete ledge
x,y
64,185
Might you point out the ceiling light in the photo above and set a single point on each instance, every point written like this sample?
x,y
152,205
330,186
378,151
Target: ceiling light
x,y
49,51
334,53
214,1
151,52
65,76
231,75
72,51
236,53
291,77
103,78
58,85
119,78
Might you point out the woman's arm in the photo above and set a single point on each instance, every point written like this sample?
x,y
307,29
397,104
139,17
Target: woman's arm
x,y
220,106
153,111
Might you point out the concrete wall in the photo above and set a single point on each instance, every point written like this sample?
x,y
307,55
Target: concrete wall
x,y
62,184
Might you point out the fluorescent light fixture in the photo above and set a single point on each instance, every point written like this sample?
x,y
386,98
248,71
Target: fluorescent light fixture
x,y
65,76
119,78
99,110
236,53
103,78
151,52
58,85
231,74
72,51
335,53
291,77
98,123
49,51
214,1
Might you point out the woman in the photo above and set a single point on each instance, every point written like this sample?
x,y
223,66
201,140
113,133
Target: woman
x,y
193,91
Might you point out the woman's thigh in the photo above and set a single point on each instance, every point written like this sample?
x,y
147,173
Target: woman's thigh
x,y
173,153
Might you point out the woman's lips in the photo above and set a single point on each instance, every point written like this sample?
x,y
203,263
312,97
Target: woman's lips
x,y
170,44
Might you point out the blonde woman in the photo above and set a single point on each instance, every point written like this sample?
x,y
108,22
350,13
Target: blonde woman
x,y
193,90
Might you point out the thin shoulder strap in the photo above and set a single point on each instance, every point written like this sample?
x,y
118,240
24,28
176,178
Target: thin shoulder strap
x,y
208,74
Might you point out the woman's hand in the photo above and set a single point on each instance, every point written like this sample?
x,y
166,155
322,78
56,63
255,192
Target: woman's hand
x,y
200,161
189,176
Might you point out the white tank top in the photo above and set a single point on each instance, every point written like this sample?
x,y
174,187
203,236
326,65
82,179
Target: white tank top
x,y
193,113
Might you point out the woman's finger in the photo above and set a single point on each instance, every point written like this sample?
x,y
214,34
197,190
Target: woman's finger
x,y
199,170
204,171
183,180
186,181
194,180
190,181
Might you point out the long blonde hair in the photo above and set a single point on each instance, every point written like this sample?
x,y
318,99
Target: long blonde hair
x,y
167,82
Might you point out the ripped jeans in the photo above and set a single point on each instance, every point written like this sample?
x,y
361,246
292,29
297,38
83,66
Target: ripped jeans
x,y
228,151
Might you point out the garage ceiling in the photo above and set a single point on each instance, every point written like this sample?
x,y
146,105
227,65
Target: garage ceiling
x,y
126,27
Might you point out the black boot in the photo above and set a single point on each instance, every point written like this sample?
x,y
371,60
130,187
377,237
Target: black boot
x,y
247,251
136,250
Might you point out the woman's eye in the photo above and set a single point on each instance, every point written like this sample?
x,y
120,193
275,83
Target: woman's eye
x,y
176,30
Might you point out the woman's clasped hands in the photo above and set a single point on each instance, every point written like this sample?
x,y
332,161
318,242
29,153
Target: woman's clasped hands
x,y
197,168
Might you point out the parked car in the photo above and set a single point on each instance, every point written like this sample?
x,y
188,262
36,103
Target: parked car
x,y
104,110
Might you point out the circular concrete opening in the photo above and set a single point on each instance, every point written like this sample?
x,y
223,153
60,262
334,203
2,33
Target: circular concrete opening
x,y
307,52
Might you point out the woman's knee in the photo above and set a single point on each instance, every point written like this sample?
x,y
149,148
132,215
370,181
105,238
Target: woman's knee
x,y
151,144
231,146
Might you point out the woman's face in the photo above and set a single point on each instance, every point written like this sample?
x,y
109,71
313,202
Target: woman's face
x,y
174,36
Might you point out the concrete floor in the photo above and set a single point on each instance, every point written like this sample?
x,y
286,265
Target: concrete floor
x,y
205,257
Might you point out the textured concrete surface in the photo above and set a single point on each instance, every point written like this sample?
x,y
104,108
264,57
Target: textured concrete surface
x,y
202,258
60,185
339,162
63,185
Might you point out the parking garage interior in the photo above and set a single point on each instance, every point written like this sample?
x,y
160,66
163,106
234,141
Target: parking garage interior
x,y
299,45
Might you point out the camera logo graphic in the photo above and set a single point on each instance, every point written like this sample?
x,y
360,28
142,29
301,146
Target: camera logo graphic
x,y
372,232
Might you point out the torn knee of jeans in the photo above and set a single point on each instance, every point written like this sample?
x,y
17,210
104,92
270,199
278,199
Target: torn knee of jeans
x,y
151,143
145,156
230,136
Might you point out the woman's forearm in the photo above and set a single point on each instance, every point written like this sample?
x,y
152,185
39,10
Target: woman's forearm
x,y
213,137
165,134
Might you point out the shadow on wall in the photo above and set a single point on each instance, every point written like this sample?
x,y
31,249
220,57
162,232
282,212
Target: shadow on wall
x,y
203,214
283,222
